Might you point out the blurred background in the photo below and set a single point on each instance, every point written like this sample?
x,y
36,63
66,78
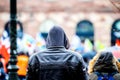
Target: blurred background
x,y
97,16
91,25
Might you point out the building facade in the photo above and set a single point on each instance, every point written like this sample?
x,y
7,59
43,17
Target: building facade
x,y
41,15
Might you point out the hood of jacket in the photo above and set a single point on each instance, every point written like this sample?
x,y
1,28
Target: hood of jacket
x,y
57,38
105,63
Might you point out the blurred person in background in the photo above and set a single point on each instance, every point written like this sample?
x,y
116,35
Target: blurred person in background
x,y
5,45
115,41
40,42
22,38
24,48
56,62
36,42
22,63
89,51
3,51
104,63
115,49
84,47
76,44
2,71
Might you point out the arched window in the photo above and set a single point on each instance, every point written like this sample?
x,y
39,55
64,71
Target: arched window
x,y
20,33
115,31
85,30
46,26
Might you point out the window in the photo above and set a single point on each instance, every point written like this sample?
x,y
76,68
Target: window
x,y
115,31
85,30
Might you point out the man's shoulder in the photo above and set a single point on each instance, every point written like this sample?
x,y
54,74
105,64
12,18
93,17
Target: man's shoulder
x,y
36,54
67,52
74,53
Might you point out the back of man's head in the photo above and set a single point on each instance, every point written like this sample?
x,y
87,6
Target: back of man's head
x,y
57,37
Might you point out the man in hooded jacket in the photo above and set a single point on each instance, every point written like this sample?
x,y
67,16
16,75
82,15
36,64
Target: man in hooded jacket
x,y
56,62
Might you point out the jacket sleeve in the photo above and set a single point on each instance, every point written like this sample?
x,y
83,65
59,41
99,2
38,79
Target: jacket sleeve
x,y
82,69
32,69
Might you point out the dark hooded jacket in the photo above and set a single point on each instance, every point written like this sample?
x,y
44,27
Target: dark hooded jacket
x,y
105,63
56,62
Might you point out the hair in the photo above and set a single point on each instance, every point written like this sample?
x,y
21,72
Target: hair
x,y
96,57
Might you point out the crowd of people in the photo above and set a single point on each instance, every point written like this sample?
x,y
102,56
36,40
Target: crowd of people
x,y
26,46
58,59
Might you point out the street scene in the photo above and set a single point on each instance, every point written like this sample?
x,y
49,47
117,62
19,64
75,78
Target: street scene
x,y
59,40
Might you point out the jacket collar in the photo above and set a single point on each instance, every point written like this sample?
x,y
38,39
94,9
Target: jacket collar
x,y
56,47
